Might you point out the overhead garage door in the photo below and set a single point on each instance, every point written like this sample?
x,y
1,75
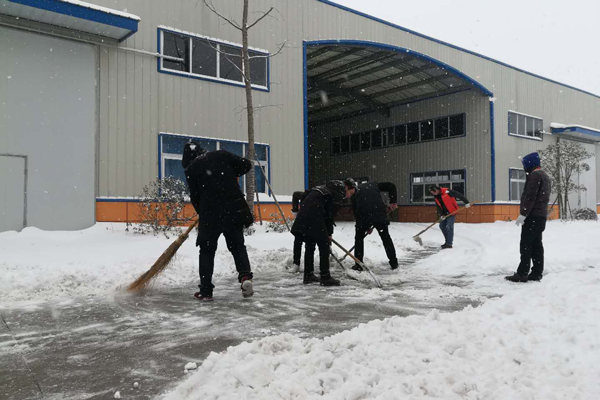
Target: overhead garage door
x,y
47,113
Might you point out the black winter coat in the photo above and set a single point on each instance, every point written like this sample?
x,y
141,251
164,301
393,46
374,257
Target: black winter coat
x,y
315,219
297,199
368,205
536,194
215,192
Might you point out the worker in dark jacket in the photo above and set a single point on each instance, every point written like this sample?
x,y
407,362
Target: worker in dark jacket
x,y
212,178
297,199
371,212
445,199
314,226
533,216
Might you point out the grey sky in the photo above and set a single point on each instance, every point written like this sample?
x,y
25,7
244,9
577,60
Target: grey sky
x,y
558,39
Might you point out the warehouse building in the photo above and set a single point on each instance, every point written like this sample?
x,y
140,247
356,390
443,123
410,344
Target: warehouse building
x,y
96,101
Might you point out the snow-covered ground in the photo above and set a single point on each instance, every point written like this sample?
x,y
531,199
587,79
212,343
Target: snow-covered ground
x,y
539,341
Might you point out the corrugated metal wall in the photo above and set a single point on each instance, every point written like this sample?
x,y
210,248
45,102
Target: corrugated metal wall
x,y
395,164
137,102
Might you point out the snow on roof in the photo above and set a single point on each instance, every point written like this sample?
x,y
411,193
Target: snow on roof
x,y
103,9
557,125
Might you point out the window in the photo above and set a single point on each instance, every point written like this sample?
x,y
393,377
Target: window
x,y
365,141
355,142
399,135
412,131
172,149
441,128
457,125
427,130
525,125
176,46
517,183
207,58
421,182
376,139
335,145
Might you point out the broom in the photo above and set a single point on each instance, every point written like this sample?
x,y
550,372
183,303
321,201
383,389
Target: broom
x,y
162,262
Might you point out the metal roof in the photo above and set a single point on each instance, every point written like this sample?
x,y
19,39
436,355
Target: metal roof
x,y
346,80
577,132
75,15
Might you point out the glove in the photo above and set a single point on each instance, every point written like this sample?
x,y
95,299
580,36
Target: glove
x,y
467,205
392,207
520,220
369,231
295,213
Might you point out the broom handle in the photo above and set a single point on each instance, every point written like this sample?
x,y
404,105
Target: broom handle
x,y
272,193
441,219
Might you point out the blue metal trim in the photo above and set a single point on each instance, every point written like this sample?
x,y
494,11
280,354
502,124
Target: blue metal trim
x,y
208,78
269,163
403,50
328,2
158,49
82,12
492,152
160,156
576,129
305,93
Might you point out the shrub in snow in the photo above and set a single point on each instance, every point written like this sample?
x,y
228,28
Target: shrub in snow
x,y
585,214
161,207
277,223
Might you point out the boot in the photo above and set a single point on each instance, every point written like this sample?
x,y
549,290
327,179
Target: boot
x,y
394,264
357,267
247,289
516,278
446,246
534,277
203,297
328,280
310,278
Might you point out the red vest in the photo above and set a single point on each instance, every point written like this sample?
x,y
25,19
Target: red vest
x,y
449,201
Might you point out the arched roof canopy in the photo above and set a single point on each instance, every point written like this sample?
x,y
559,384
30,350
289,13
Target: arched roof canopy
x,y
351,78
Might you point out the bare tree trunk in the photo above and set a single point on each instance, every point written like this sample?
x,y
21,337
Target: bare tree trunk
x,y
250,176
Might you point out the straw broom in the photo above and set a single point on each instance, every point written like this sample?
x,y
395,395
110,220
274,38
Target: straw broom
x,y
162,262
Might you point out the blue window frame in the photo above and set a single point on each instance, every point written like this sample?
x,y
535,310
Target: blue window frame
x,y
171,150
210,59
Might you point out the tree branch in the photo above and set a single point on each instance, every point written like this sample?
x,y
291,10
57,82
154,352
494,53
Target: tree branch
x,y
260,18
231,22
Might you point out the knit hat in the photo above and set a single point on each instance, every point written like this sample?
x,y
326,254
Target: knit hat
x,y
531,161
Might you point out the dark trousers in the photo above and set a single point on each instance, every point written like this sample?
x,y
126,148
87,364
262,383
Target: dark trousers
x,y
297,250
384,234
447,227
309,255
208,240
532,247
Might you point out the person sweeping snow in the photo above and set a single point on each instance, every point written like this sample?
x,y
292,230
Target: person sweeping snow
x,y
445,199
371,212
533,216
297,199
212,178
314,226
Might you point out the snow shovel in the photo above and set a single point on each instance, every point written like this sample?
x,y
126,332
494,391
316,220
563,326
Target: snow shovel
x,y
356,260
417,237
340,264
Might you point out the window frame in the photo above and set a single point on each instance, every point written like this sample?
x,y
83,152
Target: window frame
x,y
527,117
162,156
190,74
511,180
438,173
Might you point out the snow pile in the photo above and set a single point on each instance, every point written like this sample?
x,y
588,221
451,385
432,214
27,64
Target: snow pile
x,y
541,342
